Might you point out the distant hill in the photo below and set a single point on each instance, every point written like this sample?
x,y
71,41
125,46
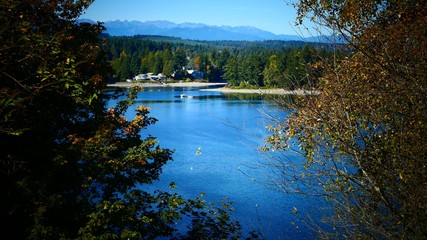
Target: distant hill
x,y
194,31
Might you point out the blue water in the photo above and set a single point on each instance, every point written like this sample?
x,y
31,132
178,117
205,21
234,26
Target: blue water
x,y
216,139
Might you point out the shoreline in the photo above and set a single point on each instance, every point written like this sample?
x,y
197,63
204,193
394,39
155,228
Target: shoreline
x,y
221,88
275,91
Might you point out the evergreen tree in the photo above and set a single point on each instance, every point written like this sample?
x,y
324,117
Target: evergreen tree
x,y
271,72
69,168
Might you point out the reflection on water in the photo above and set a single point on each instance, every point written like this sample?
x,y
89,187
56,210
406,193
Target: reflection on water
x,y
226,131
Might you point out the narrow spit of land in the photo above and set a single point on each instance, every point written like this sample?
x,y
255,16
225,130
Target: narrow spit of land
x,y
276,91
221,88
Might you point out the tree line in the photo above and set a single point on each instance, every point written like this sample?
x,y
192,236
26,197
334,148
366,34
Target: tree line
x,y
240,63
69,167
72,169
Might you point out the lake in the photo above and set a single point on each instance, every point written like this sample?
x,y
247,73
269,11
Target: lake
x,y
216,139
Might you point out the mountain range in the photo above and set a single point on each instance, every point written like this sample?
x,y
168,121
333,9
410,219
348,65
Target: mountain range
x,y
196,31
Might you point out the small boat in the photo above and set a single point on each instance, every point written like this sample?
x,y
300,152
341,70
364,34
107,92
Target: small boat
x,y
185,96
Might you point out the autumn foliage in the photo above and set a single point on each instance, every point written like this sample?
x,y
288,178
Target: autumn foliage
x,y
364,136
69,168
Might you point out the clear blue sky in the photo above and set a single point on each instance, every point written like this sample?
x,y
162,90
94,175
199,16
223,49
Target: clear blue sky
x,y
275,16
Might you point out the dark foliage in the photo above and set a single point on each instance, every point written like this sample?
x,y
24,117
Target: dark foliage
x,y
69,168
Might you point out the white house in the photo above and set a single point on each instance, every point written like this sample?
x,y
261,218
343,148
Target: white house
x,y
150,76
141,77
160,76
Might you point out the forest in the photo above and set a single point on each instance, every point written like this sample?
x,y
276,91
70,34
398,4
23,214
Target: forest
x,y
286,64
70,168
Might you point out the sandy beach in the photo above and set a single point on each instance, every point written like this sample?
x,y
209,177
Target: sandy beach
x,y
277,91
220,88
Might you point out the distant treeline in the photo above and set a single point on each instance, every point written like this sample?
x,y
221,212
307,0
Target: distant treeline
x,y
275,63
